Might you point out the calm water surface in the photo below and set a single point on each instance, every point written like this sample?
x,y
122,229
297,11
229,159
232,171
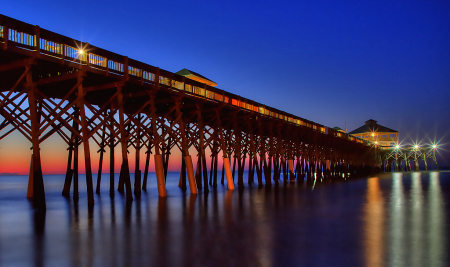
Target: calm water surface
x,y
388,220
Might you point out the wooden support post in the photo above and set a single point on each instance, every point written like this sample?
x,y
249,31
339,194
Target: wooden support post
x,y
234,165
205,172
183,175
87,152
268,175
319,168
253,159
123,143
69,171
223,173
30,180
251,169
434,159
38,182
147,164
271,154
137,171
278,168
180,182
166,159
185,149
215,170
240,178
291,170
122,174
416,162
243,166
261,168
163,155
112,142
198,175
241,172
313,170
255,167
283,167
308,167
100,162
159,168
75,193
190,173
223,142
275,161
211,168
226,163
304,166
202,155
298,171
238,154
121,182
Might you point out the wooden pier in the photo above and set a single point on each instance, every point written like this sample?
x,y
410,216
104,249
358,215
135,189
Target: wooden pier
x,y
52,84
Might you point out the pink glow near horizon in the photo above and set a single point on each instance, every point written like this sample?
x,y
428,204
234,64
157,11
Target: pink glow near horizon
x,y
15,157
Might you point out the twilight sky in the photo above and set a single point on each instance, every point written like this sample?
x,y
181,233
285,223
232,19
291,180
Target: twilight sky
x,y
327,61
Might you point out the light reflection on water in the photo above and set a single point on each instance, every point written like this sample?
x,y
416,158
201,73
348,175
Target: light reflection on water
x,y
417,219
397,232
389,220
374,224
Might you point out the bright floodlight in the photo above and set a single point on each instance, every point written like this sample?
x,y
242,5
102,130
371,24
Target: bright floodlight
x,y
416,146
81,51
397,146
434,146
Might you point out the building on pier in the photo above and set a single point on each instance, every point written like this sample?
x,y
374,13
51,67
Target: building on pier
x,y
378,134
196,77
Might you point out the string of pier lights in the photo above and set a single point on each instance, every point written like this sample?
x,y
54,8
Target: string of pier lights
x,y
415,146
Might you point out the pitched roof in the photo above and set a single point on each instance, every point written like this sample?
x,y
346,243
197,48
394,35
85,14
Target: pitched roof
x,y
187,73
372,126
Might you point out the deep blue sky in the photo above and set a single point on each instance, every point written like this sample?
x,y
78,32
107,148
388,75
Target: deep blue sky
x,y
328,61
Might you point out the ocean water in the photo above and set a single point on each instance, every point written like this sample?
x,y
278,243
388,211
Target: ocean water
x,y
392,219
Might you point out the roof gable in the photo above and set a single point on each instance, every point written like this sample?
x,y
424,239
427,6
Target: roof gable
x,y
372,126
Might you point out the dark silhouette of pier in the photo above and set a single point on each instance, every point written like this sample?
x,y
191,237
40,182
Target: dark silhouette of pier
x,y
52,84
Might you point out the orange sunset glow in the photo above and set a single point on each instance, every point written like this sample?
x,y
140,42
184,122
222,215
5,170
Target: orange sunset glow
x,y
15,156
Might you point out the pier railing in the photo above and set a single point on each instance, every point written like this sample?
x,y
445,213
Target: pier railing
x,y
15,34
